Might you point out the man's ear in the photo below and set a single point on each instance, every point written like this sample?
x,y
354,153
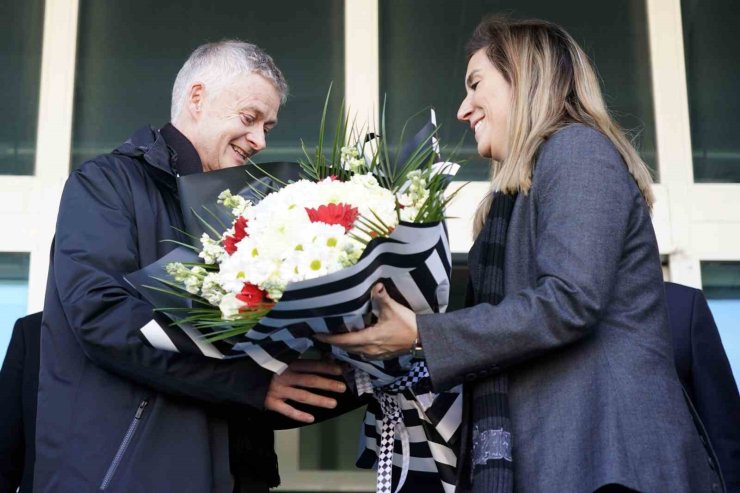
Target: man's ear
x,y
196,96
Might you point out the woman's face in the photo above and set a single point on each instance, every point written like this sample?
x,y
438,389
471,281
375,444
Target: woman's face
x,y
487,106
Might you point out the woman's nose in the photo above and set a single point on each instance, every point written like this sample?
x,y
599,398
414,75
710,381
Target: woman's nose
x,y
463,113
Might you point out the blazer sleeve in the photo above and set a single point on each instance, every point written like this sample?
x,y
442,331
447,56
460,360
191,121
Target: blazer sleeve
x,y
715,391
12,444
95,245
583,196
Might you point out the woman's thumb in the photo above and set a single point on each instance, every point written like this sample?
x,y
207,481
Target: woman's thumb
x,y
380,296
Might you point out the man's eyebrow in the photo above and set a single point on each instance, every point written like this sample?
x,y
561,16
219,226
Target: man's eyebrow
x,y
469,80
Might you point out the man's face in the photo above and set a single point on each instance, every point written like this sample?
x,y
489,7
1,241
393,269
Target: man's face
x,y
233,123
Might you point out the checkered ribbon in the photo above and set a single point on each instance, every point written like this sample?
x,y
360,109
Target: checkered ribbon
x,y
392,424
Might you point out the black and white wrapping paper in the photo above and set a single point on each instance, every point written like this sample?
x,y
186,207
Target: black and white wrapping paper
x,y
409,432
414,265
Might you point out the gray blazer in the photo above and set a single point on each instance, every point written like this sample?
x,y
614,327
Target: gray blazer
x,y
582,333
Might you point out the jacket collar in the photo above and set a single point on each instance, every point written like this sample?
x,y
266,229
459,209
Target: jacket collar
x,y
148,145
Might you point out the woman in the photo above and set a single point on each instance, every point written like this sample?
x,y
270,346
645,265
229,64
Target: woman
x,y
564,347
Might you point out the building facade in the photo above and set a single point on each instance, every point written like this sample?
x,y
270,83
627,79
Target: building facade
x,y
80,75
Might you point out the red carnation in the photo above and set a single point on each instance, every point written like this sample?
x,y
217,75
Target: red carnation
x,y
343,214
251,295
240,232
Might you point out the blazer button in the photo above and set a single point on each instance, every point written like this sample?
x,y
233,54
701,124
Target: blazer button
x,y
471,377
483,373
711,463
716,487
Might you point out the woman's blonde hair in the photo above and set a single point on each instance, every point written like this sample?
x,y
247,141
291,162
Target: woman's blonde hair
x,y
553,84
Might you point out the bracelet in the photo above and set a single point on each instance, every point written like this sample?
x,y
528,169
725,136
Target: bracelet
x,y
417,351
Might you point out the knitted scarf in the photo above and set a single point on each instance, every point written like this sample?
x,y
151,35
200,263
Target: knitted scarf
x,y
491,460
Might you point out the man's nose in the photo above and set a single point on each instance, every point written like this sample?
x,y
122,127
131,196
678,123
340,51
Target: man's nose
x,y
257,140
463,113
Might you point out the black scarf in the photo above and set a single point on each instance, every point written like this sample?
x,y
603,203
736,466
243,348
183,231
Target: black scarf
x,y
490,459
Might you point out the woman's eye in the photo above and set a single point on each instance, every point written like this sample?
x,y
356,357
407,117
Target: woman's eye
x,y
474,85
247,120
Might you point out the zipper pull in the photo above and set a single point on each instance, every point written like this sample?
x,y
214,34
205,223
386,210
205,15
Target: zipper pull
x,y
140,411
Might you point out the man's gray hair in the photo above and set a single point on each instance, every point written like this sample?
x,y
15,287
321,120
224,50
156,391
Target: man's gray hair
x,y
216,64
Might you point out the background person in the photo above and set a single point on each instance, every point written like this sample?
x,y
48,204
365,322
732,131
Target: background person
x,y
706,375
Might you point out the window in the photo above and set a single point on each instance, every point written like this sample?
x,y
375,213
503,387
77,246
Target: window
x,y
422,61
13,294
713,76
721,281
126,67
332,445
20,58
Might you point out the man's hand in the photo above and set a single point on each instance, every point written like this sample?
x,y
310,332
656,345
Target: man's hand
x,y
294,384
393,334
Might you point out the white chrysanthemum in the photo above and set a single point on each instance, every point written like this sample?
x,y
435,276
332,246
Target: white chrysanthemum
x,y
242,267
284,246
317,261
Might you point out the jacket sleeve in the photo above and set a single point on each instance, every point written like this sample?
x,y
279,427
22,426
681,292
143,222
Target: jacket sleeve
x,y
12,444
582,199
96,244
715,392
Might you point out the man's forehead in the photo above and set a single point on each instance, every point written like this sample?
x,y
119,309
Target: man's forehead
x,y
252,91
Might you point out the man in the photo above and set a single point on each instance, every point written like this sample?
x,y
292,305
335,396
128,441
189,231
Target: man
x,y
18,385
706,375
115,414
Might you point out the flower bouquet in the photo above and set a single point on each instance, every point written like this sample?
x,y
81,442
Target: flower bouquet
x,y
299,256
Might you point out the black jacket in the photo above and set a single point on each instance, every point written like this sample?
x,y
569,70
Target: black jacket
x,y
706,375
18,385
114,413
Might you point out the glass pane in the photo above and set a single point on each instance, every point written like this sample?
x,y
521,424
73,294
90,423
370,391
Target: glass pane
x,y
711,45
13,294
125,75
332,445
20,59
422,57
721,284
459,281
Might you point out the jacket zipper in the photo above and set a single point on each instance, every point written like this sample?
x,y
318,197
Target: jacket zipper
x,y
124,445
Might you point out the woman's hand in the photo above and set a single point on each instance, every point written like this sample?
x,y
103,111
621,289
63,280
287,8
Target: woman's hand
x,y
294,384
394,334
